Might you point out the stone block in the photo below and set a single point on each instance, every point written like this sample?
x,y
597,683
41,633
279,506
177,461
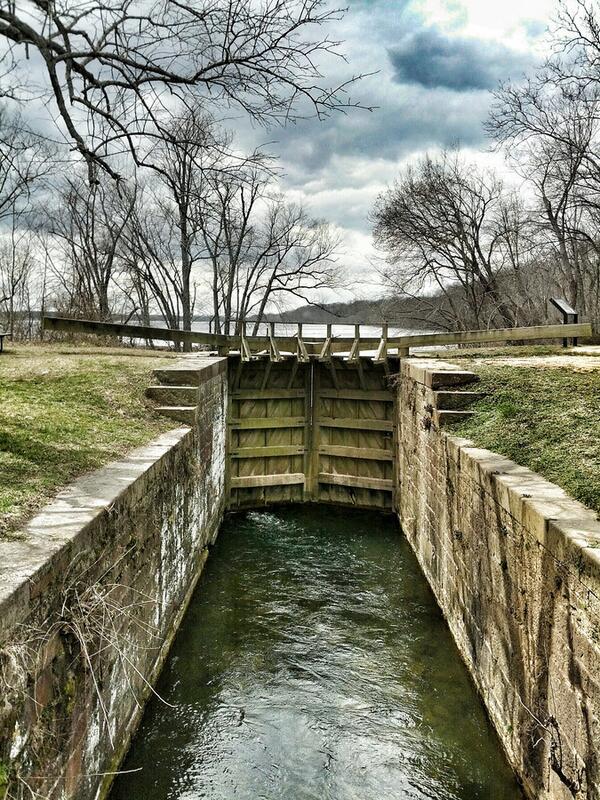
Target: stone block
x,y
515,565
137,530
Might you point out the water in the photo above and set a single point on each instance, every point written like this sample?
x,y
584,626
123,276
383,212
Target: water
x,y
313,664
311,331
317,330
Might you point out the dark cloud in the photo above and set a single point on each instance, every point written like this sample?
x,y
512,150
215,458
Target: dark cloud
x,y
432,59
407,120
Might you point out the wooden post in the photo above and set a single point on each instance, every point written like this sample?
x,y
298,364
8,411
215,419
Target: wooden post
x,y
275,354
245,353
293,373
301,351
267,375
381,356
229,434
308,412
325,354
354,354
312,474
333,371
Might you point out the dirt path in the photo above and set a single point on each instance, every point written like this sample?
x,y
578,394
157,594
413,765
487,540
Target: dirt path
x,y
580,359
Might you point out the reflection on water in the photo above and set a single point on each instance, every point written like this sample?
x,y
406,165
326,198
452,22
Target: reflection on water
x,y
313,663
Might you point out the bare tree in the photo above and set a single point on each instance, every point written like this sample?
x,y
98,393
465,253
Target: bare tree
x,y
217,214
551,132
260,249
549,125
438,227
297,256
230,204
249,247
193,147
576,43
17,278
163,245
149,259
24,161
116,66
87,228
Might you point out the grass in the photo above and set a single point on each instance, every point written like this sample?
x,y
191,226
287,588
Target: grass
x,y
67,410
64,411
544,418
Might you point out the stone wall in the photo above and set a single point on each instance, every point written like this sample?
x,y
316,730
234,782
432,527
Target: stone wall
x,y
515,566
91,595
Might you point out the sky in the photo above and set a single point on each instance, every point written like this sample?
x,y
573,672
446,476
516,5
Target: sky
x,y
431,65
436,63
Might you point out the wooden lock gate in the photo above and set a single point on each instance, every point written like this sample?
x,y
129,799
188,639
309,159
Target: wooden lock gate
x,y
310,432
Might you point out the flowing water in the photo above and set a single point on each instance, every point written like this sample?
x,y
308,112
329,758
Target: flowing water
x,y
314,664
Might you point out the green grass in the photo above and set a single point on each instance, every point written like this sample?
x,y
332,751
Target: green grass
x,y
545,418
65,411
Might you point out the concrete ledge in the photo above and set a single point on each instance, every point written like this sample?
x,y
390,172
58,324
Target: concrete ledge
x,y
92,594
193,369
436,374
49,535
514,563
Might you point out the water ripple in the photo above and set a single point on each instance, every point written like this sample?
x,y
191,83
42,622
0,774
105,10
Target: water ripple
x,y
313,664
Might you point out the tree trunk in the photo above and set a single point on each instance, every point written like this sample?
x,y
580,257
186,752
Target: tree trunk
x,y
186,269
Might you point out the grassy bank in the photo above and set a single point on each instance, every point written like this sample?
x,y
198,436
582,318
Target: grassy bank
x,y
544,417
64,411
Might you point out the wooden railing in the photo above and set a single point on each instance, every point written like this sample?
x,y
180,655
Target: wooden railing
x,y
323,348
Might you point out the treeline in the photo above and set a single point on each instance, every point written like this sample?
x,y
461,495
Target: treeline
x,y
407,312
150,207
488,254
204,230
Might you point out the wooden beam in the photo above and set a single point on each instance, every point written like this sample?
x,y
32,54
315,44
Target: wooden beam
x,y
253,481
274,353
237,376
361,374
313,435
325,354
356,481
116,329
267,394
381,355
255,423
245,353
358,394
531,333
68,325
307,433
269,451
332,369
369,453
355,349
293,373
357,424
338,345
301,351
267,375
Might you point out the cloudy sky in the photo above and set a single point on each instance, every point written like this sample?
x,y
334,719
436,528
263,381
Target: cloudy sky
x,y
436,62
